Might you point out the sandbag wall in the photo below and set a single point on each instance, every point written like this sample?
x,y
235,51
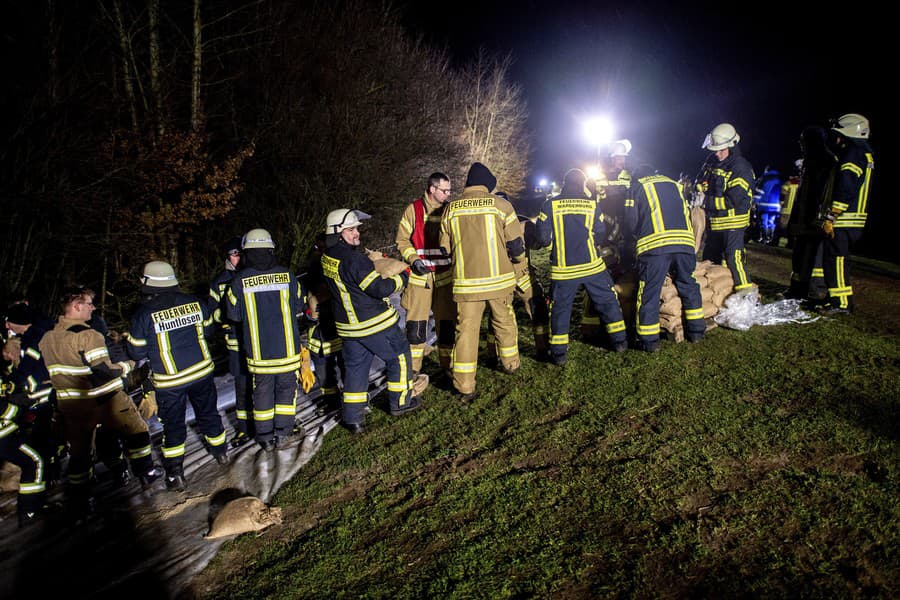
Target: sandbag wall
x,y
716,284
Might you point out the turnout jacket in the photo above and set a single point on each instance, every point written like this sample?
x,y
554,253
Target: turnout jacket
x,y
267,303
218,292
78,362
574,225
850,195
171,330
657,218
730,192
31,375
418,238
484,237
359,295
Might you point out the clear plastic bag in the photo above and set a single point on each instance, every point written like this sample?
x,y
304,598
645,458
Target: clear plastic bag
x,y
742,311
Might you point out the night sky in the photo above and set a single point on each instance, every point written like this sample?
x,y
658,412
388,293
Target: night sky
x,y
667,73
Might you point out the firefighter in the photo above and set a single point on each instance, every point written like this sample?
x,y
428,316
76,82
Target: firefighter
x,y
572,222
365,320
807,277
237,361
483,235
322,338
767,198
725,180
90,392
14,412
788,197
658,224
612,188
429,288
843,214
170,328
266,299
30,377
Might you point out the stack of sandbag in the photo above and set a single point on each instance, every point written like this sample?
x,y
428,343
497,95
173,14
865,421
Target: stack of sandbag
x,y
715,283
387,267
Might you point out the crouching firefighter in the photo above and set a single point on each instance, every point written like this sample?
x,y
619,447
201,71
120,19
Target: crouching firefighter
x,y
90,392
658,223
170,328
430,284
365,320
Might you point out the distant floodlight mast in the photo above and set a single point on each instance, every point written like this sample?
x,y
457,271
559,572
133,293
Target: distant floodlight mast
x,y
592,171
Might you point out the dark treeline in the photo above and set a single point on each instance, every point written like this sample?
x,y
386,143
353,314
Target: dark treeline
x,y
158,129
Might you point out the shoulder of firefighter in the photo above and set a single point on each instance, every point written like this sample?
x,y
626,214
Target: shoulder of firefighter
x,y
78,361
730,193
31,375
484,238
575,227
849,201
171,331
658,217
270,329
360,295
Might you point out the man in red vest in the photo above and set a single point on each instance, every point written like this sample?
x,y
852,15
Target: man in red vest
x,y
429,287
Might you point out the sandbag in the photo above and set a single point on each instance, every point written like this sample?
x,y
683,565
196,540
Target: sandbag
x,y
668,291
702,267
672,306
707,294
243,515
9,477
701,280
719,297
715,271
709,310
698,224
388,267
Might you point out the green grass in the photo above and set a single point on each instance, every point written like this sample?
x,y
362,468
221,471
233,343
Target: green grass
x,y
759,463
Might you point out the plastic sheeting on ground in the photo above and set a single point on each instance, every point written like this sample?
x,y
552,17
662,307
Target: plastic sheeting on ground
x,y
742,311
144,543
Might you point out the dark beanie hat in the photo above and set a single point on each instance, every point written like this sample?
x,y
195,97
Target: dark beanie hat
x,y
481,175
234,244
20,314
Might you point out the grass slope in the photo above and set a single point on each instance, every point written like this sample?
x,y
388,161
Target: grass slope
x,y
760,463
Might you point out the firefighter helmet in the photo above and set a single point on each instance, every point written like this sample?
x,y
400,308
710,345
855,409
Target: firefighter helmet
x,y
257,238
344,218
723,135
620,148
852,125
159,274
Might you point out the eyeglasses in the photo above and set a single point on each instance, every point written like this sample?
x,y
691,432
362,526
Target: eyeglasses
x,y
444,190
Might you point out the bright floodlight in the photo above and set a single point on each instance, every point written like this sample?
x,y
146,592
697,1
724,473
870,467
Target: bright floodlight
x,y
598,131
592,171
542,183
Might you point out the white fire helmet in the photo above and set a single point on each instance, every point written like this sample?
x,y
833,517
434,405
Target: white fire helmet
x,y
723,135
852,125
344,218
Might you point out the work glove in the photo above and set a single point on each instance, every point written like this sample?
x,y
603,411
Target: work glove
x,y
418,267
828,226
147,407
307,377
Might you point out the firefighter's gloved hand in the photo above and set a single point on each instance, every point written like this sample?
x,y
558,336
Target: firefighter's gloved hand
x,y
147,408
828,226
418,267
307,377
